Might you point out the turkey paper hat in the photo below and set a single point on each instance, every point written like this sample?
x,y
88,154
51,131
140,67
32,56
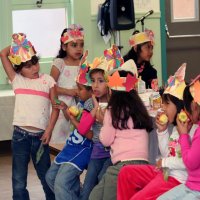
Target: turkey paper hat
x,y
73,33
115,61
119,83
114,58
21,49
99,63
176,83
195,89
83,75
142,37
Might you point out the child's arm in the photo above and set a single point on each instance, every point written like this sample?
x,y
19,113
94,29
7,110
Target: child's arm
x,y
163,140
61,106
8,67
55,73
87,119
53,118
107,133
86,122
190,150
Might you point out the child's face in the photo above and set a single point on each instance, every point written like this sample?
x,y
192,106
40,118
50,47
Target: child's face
x,y
31,72
99,86
146,52
83,93
75,49
170,110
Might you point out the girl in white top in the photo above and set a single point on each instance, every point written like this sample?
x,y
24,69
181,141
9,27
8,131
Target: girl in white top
x,y
64,70
33,123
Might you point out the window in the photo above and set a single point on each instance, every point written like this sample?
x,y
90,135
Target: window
x,y
43,28
184,10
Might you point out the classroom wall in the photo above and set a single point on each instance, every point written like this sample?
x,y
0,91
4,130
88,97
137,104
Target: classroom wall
x,y
84,12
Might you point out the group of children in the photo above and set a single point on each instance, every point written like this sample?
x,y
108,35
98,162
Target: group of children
x,y
110,135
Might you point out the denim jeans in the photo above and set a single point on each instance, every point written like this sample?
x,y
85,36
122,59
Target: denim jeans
x,y
64,180
180,192
96,170
24,147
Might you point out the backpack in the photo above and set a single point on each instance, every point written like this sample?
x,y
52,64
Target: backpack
x,y
104,17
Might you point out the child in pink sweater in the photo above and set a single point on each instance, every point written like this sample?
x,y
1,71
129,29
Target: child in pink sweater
x,y
148,182
190,149
125,129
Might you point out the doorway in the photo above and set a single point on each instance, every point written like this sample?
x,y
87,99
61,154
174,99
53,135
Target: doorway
x,y
182,36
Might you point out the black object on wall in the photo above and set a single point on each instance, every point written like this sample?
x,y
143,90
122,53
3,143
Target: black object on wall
x,y
122,15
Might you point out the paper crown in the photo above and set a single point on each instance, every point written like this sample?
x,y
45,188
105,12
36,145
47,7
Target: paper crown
x,y
73,33
114,58
99,63
195,89
83,75
127,83
139,38
21,49
176,83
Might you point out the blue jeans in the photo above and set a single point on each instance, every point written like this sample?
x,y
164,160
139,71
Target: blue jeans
x,y
64,180
96,169
24,147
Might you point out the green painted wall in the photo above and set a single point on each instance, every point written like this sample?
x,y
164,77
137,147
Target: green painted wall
x,y
79,12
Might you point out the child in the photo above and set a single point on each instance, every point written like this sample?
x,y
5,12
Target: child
x,y
141,52
63,177
146,181
125,127
100,157
64,70
32,121
190,150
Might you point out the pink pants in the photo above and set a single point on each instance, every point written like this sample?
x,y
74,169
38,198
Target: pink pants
x,y
142,182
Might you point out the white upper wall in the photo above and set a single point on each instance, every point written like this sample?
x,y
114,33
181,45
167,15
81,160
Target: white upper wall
x,y
140,5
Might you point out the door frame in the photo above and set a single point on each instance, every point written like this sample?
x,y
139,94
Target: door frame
x,y
163,42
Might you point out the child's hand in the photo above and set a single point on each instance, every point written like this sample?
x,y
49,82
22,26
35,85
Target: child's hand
x,y
161,127
46,137
100,114
61,105
95,102
183,127
89,135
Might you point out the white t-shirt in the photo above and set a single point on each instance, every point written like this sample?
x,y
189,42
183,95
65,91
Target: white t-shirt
x,y
32,101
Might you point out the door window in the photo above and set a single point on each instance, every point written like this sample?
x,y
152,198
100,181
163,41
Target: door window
x,y
189,10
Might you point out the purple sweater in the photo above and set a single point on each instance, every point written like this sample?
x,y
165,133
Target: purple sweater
x,y
191,158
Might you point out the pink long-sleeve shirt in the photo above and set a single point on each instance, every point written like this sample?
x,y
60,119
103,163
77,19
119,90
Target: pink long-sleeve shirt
x,y
127,144
191,158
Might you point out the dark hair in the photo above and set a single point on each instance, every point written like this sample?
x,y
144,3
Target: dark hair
x,y
34,60
87,87
166,98
62,53
94,71
132,54
187,99
124,105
